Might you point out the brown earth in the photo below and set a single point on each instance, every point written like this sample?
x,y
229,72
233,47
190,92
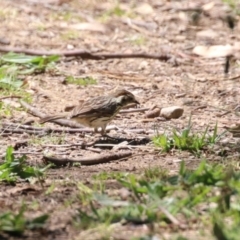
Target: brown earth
x,y
195,83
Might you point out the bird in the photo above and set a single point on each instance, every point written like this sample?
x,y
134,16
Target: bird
x,y
97,112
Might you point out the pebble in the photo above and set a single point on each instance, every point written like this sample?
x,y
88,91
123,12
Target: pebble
x,y
172,112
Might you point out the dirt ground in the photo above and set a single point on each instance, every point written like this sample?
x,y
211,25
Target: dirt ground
x,y
197,84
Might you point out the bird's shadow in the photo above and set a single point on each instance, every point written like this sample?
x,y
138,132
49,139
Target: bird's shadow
x,y
110,141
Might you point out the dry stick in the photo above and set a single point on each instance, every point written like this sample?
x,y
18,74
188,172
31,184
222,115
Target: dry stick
x,y
27,127
88,160
85,54
9,130
81,144
13,96
171,217
120,146
134,110
17,128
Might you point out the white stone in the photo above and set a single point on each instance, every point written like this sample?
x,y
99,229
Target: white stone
x,y
172,112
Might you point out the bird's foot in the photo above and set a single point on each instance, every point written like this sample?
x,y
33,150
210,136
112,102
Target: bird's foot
x,y
107,137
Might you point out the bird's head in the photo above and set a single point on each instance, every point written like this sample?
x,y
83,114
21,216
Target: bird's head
x,y
125,97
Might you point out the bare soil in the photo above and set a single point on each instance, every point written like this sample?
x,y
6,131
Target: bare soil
x,y
197,84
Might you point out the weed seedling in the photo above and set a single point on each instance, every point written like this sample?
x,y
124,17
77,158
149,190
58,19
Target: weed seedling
x,y
14,168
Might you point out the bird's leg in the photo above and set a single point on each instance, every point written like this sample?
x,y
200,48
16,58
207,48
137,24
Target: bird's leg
x,y
96,130
103,133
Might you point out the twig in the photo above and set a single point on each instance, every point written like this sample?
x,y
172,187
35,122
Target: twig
x,y
171,217
28,127
121,146
85,54
18,128
29,153
82,144
94,149
199,107
134,110
88,160
11,96
137,131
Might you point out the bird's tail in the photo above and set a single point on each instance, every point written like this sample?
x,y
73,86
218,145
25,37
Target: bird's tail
x,y
52,118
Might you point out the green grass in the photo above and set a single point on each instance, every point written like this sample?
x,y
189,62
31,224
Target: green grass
x,y
20,64
81,81
187,140
50,139
17,223
116,11
71,34
13,69
14,169
233,4
138,40
183,196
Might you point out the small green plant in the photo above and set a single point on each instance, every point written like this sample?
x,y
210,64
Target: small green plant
x,y
16,223
108,175
5,110
24,64
160,200
71,34
233,4
139,40
47,140
164,142
207,174
14,168
8,78
116,11
14,66
81,81
187,140
155,173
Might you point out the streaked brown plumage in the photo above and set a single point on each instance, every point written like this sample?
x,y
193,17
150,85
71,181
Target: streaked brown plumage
x,y
98,111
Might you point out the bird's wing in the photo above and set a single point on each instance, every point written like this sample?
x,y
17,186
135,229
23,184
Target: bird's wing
x,y
92,107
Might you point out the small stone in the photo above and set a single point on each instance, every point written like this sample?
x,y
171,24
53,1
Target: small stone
x,y
171,112
153,113
144,9
70,47
124,193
